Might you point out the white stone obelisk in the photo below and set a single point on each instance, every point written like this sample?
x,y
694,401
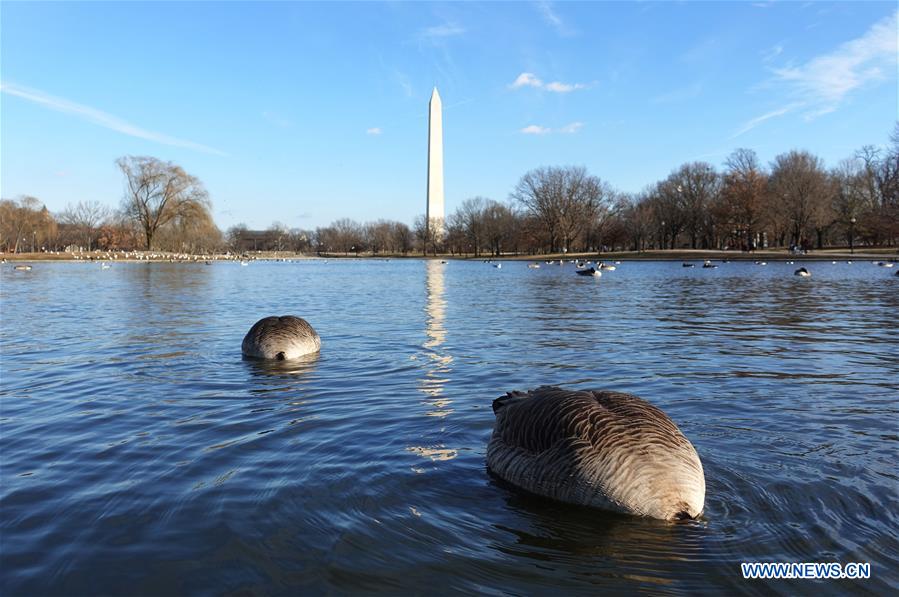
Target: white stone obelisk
x,y
434,212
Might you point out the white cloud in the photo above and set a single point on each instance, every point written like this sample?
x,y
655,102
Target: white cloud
x,y
447,29
572,128
822,84
827,79
527,80
552,19
747,126
536,129
564,87
531,80
100,118
375,130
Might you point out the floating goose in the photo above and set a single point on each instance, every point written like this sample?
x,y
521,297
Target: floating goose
x,y
885,263
534,265
789,263
608,268
22,268
708,264
105,266
595,448
498,265
245,263
761,263
688,264
802,272
280,338
589,272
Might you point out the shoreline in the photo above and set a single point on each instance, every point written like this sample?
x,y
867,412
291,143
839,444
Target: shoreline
x,y
876,254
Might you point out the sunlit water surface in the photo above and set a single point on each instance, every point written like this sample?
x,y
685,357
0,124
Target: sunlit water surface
x,y
142,455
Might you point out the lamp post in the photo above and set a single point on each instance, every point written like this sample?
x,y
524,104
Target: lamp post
x,y
663,235
851,234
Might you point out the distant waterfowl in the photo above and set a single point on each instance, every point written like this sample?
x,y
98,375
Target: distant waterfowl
x,y
595,448
105,266
498,265
709,264
245,263
22,268
589,272
761,263
534,265
605,267
834,262
280,338
802,272
897,272
885,263
443,261
688,264
789,263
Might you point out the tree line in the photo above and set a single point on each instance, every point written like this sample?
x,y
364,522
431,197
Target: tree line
x,y
792,201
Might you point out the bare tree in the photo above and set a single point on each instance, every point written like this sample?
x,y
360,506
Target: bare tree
x,y
563,200
800,187
693,188
157,192
86,217
743,194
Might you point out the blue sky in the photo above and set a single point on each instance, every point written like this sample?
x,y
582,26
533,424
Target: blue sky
x,y
303,113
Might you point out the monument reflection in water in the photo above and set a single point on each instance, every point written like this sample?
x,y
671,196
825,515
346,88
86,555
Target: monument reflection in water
x,y
439,363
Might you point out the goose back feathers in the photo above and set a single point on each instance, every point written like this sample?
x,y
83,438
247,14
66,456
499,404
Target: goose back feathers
x,y
280,338
594,448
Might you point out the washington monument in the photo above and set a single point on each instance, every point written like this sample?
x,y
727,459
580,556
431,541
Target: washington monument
x,y
434,213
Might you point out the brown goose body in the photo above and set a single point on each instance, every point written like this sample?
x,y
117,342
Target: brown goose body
x,y
603,449
280,338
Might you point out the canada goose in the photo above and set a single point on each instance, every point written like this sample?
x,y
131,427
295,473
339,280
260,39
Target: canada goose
x,y
885,263
709,264
280,338
688,264
596,448
498,265
534,265
605,267
802,272
22,268
589,272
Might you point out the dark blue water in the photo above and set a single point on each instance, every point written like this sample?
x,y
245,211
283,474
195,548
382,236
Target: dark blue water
x,y
142,455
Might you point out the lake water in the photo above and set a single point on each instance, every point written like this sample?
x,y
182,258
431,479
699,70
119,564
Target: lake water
x,y
142,455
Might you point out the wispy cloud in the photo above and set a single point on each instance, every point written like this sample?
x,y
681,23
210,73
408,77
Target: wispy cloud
x,y
679,95
100,118
572,128
553,19
826,80
536,129
375,130
821,85
447,29
751,124
277,119
772,52
532,80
